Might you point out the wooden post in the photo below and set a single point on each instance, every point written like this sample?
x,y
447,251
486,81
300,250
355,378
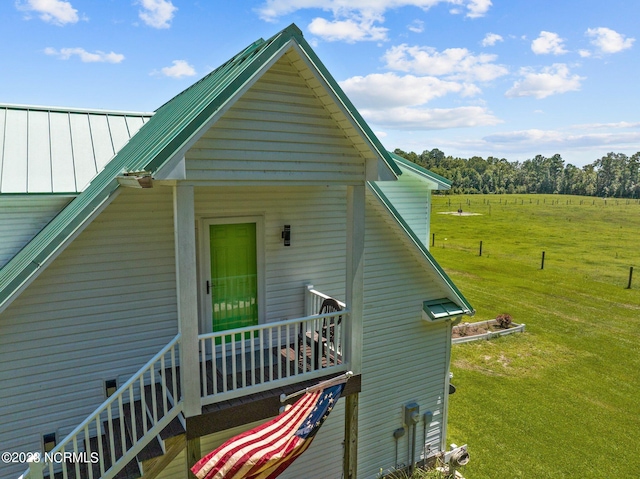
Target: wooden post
x,y
480,249
350,463
355,274
194,454
630,277
187,297
542,265
433,239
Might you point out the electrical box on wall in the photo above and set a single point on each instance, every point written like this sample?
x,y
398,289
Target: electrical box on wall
x,y
411,414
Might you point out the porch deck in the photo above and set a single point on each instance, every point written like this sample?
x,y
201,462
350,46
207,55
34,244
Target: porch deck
x,y
244,361
276,363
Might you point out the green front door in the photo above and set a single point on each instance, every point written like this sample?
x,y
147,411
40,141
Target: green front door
x,y
234,278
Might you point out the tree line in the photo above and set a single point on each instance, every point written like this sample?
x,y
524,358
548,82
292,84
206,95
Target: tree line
x,y
614,175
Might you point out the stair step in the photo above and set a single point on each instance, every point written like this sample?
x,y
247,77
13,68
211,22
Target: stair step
x,y
131,470
175,427
154,448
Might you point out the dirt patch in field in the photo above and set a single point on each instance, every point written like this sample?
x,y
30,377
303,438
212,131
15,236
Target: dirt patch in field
x,y
457,213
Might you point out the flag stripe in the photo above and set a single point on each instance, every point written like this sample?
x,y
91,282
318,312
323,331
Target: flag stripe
x,y
274,442
267,450
295,414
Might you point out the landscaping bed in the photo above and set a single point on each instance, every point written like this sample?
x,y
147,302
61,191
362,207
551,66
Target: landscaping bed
x,y
491,328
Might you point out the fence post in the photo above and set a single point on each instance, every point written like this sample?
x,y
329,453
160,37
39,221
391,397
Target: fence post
x,y
433,239
630,277
480,249
542,264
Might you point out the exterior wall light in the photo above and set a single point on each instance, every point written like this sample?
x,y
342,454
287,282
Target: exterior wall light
x,y
286,235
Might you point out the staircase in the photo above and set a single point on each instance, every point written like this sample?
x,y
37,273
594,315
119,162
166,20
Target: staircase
x,y
136,432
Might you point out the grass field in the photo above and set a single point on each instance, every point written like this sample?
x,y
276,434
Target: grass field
x,y
563,399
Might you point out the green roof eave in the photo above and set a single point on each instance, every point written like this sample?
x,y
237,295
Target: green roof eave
x,y
441,181
457,296
157,141
161,138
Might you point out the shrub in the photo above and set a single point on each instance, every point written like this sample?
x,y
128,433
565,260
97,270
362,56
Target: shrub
x,y
504,320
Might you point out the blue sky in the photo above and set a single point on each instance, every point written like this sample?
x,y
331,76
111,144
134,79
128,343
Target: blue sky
x,y
504,78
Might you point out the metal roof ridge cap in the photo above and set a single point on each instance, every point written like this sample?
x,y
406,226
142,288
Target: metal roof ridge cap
x,y
60,109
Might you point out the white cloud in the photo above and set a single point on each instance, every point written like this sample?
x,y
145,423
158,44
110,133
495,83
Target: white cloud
x,y
417,26
350,30
358,20
550,81
85,56
387,90
407,118
157,13
478,8
548,42
609,41
57,12
490,39
180,69
561,139
397,102
453,63
272,9
584,53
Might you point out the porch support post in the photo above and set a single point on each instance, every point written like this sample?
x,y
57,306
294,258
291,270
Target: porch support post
x,y
185,244
355,273
350,465
194,454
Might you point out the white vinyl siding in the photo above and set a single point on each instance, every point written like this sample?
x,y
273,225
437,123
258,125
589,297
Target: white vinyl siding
x,y
22,217
404,358
317,216
411,197
280,130
102,309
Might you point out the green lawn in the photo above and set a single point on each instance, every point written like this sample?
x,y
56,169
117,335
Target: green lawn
x,y
563,399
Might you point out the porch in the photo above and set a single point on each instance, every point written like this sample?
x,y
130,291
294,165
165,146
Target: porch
x,y
143,424
253,359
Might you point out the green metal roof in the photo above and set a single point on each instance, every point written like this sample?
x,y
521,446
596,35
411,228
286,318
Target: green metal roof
x,y
169,130
442,308
439,180
456,296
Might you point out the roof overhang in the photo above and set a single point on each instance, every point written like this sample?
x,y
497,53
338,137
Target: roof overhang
x,y
435,182
440,310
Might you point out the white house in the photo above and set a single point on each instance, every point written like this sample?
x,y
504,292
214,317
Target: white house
x,y
162,274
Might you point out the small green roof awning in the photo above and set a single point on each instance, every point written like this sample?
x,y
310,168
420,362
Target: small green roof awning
x,y
438,309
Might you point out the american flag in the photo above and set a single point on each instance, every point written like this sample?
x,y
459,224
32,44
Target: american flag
x,y
266,451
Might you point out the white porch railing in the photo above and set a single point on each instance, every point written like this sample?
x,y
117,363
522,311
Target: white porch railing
x,y
112,436
313,300
243,361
